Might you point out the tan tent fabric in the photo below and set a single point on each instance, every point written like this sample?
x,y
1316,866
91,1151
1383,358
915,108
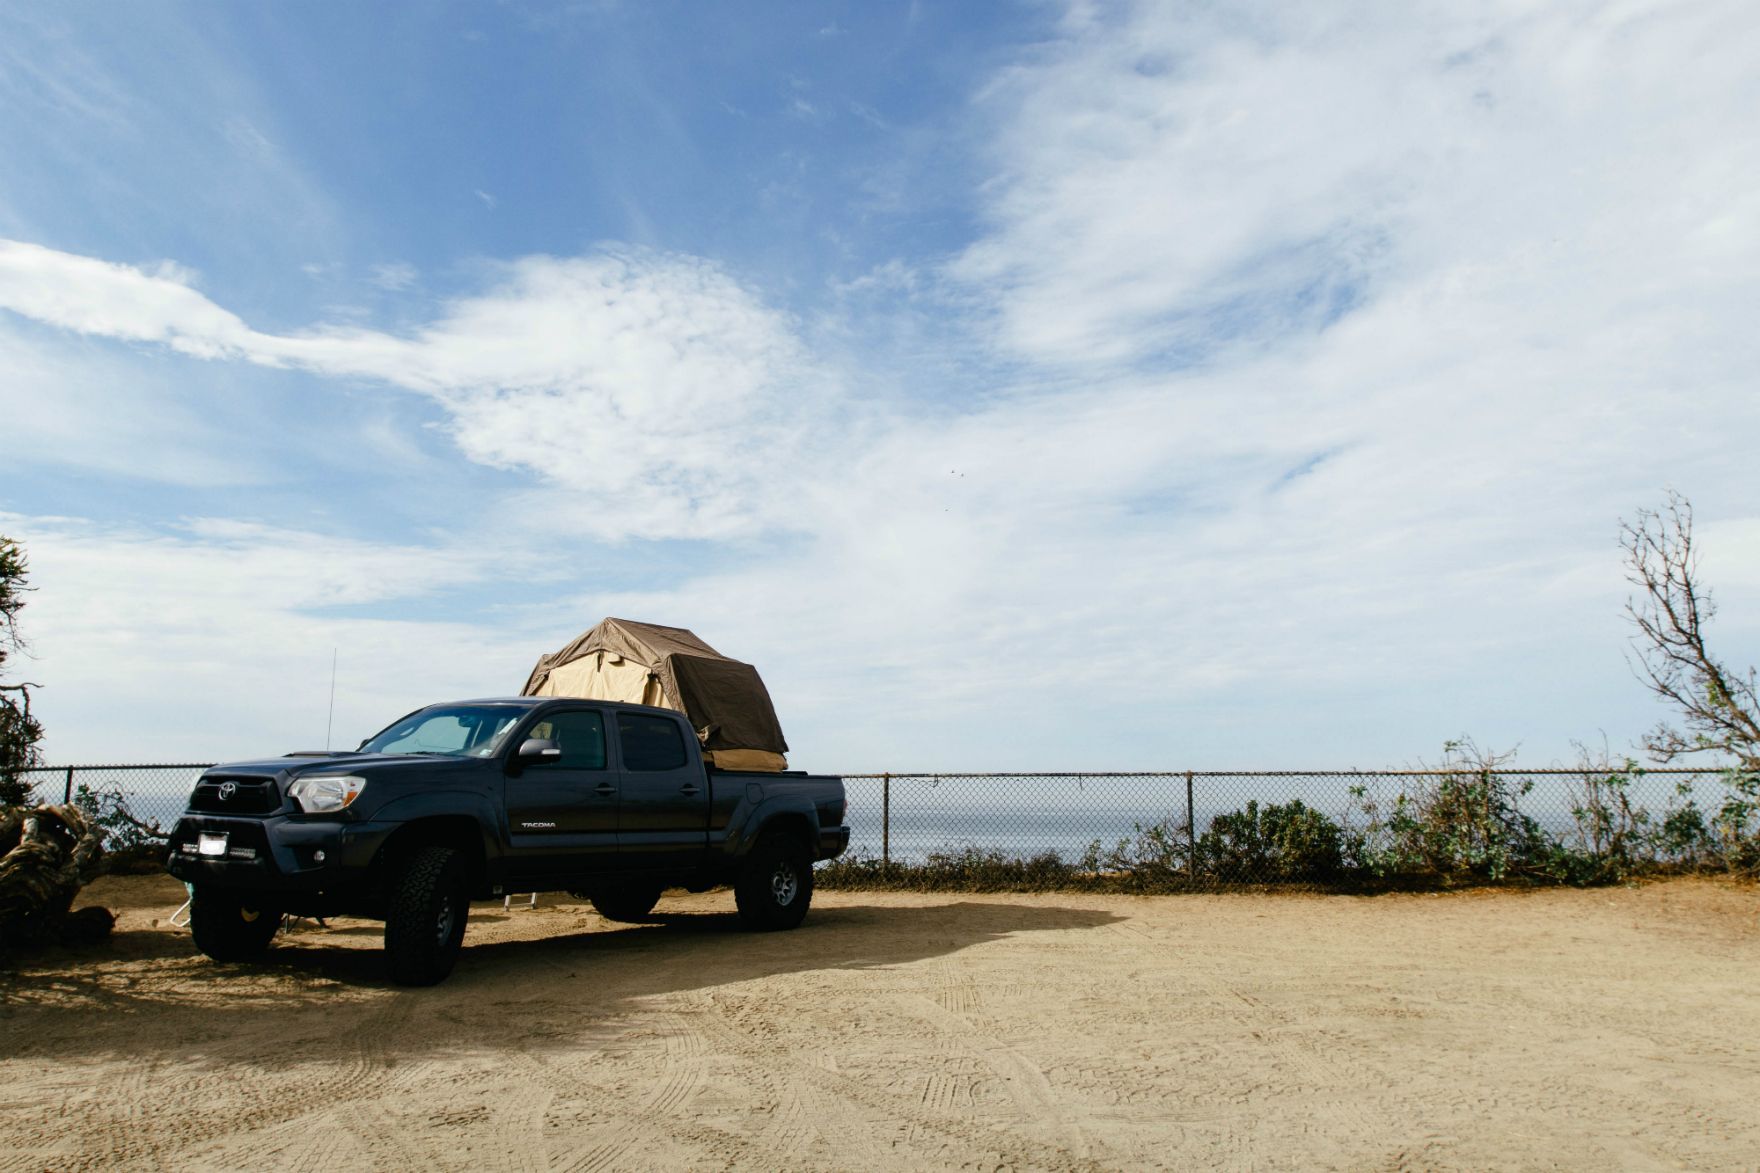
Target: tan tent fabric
x,y
604,678
746,759
622,660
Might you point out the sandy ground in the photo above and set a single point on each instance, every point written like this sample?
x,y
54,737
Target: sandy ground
x,y
1559,1029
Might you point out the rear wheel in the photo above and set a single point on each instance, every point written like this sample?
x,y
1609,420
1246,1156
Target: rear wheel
x,y
776,884
231,926
630,904
424,925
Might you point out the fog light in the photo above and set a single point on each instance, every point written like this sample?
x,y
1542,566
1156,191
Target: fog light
x,y
317,857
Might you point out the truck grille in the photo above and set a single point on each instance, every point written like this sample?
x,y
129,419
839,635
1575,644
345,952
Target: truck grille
x,y
236,796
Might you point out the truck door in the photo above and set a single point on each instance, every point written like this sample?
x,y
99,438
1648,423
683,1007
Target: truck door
x,y
663,821
562,815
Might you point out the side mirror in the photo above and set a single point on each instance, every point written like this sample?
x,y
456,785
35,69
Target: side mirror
x,y
538,749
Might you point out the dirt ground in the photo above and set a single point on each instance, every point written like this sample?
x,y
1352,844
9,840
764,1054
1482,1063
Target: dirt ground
x,y
1573,1029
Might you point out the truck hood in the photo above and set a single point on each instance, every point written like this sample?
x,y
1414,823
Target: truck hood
x,y
371,764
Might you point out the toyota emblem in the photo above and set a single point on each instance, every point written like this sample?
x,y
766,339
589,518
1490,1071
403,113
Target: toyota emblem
x,y
227,790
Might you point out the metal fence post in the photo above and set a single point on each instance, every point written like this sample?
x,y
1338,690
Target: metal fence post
x,y
67,791
886,822
1191,833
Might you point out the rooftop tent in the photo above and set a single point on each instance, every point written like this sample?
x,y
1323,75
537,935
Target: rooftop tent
x,y
724,700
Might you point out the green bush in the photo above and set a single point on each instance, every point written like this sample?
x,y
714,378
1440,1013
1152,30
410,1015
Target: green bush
x,y
1279,844
1152,858
959,868
1735,829
1466,825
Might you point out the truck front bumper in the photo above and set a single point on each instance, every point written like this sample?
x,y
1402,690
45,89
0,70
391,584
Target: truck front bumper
x,y
279,853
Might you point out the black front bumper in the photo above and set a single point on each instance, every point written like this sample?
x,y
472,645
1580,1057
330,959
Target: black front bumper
x,y
276,854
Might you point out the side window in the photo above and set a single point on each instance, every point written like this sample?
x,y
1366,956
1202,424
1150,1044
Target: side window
x,y
650,743
581,735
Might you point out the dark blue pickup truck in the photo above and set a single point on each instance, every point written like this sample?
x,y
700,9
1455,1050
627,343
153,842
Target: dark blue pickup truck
x,y
471,800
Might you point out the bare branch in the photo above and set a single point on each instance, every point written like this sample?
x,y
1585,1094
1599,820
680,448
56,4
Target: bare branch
x,y
1720,709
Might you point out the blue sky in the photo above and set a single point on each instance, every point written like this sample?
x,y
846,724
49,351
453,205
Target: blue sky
x,y
1054,386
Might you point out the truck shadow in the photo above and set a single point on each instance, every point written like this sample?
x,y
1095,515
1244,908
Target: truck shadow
x,y
559,990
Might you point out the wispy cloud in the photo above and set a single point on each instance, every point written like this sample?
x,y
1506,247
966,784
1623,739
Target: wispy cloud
x,y
394,275
1168,181
656,380
213,622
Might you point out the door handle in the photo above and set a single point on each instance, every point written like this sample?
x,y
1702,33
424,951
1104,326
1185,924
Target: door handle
x,y
605,789
688,788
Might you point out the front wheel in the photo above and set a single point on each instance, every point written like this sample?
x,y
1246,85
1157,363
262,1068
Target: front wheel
x,y
776,884
231,926
424,925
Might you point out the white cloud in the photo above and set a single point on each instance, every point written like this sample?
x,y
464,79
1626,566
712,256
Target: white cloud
x,y
116,301
394,275
653,381
215,638
1172,176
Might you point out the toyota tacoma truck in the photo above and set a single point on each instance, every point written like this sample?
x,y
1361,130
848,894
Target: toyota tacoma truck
x,y
476,799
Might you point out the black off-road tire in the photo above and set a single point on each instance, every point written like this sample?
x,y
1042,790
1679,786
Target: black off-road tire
x,y
232,926
628,904
775,884
424,922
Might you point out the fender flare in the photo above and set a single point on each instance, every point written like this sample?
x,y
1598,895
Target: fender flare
x,y
462,805
745,832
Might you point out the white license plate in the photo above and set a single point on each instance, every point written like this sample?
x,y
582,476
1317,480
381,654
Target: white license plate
x,y
211,844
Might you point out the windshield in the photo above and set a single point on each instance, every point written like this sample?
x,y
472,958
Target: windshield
x,y
469,731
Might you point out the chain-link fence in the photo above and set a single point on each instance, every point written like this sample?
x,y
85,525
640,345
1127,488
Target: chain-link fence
x,y
1179,829
1175,829
130,802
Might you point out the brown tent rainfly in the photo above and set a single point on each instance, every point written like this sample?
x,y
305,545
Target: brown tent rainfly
x,y
724,700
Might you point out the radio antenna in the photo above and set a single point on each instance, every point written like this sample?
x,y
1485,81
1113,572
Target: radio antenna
x,y
330,722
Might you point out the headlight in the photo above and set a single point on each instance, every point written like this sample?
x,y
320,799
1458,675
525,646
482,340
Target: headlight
x,y
326,792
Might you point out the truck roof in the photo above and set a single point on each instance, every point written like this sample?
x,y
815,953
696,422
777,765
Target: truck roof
x,y
533,702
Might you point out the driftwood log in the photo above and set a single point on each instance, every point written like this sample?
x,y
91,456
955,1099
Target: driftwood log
x,y
47,854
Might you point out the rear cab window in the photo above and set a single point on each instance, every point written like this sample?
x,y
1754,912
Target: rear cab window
x,y
650,742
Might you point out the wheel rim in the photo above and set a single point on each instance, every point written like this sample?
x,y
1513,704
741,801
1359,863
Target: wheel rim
x,y
784,884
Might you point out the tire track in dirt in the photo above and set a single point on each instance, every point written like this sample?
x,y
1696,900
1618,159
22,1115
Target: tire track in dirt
x,y
388,1116
788,1129
1335,1075
1736,1053
747,1033
393,1141
682,1074
326,1144
48,1140
168,1123
522,1140
1037,1104
1010,1147
947,1086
